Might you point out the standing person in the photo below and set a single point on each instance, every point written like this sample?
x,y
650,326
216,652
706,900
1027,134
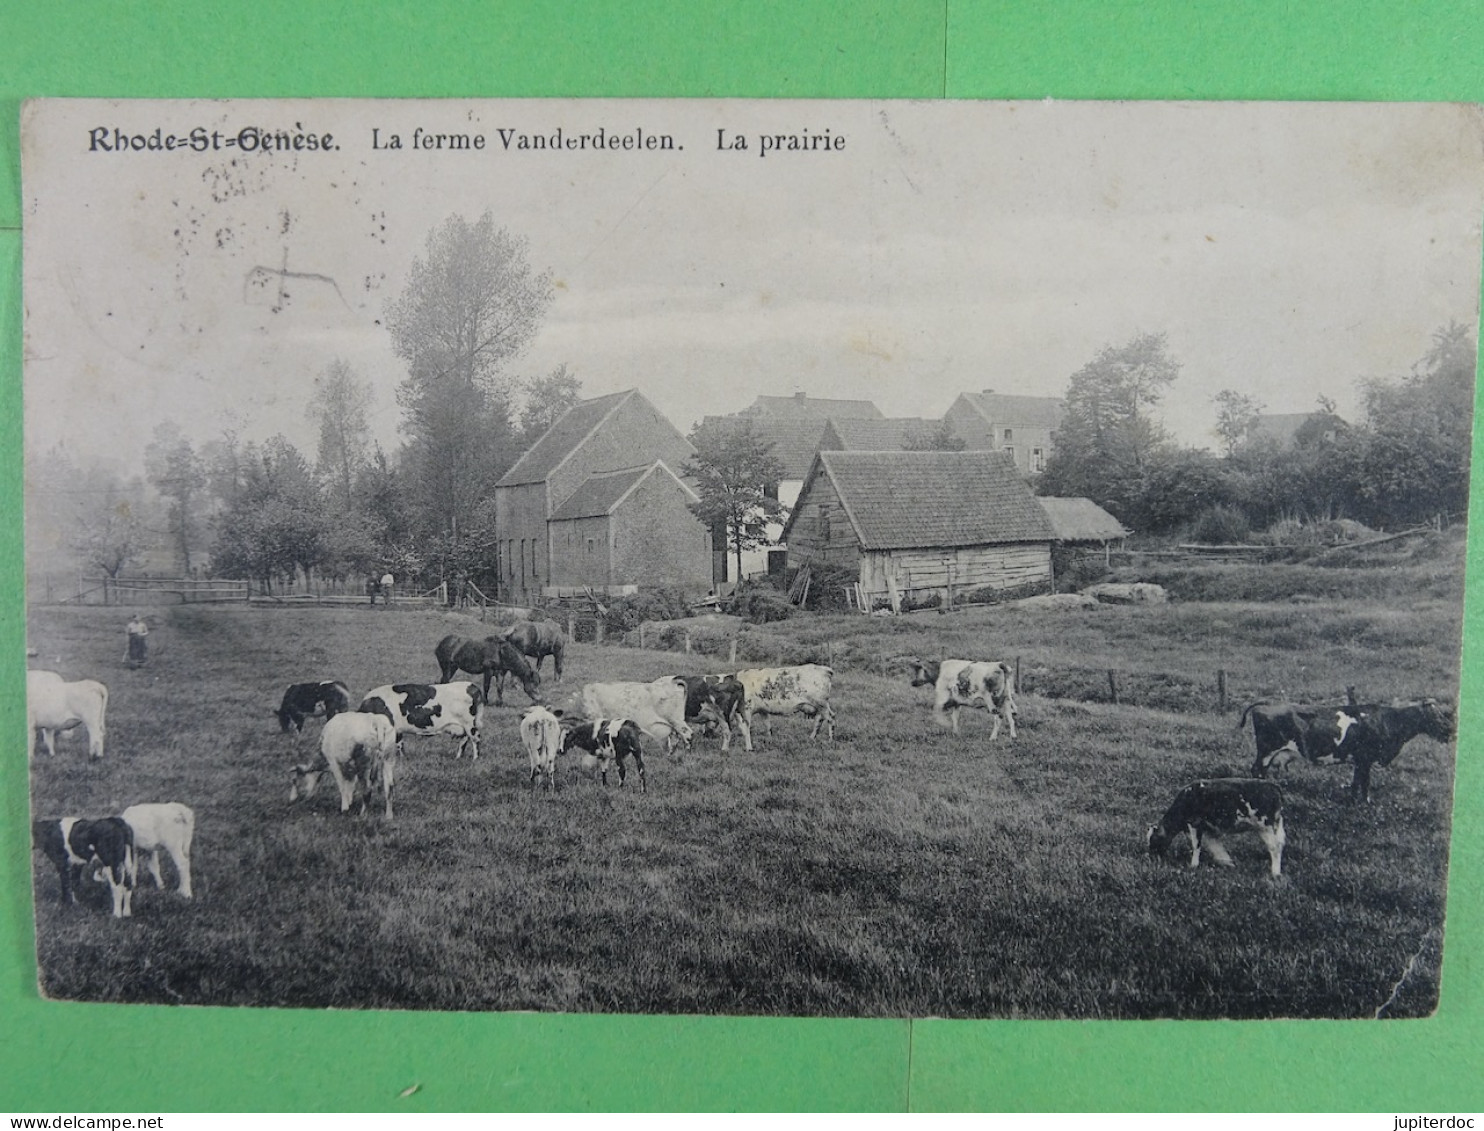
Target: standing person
x,y
373,587
387,581
138,630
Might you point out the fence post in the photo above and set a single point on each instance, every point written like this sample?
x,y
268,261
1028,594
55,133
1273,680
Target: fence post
x,y
732,652
687,642
942,652
1221,688
598,627
1113,685
1017,675
571,627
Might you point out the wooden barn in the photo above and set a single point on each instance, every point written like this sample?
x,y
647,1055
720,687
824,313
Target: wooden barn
x,y
919,523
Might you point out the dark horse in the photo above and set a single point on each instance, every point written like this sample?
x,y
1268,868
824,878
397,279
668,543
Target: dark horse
x,y
491,657
539,639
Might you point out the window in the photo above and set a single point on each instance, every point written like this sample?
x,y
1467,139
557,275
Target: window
x,y
1038,459
510,557
522,559
1009,434
1009,450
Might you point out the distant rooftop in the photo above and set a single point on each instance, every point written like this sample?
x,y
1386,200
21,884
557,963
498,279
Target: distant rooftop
x,y
801,405
562,438
889,434
1012,409
794,440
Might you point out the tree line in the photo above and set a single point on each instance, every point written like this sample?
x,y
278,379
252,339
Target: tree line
x,y
269,512
1406,462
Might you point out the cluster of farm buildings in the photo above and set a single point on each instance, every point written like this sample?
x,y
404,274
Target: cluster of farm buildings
x,y
601,503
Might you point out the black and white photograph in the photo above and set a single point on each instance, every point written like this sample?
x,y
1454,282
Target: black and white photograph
x,y
831,558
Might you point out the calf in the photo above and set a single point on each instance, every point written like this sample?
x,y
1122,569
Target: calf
x,y
802,690
713,701
1207,810
494,657
430,708
608,740
541,735
1374,736
354,748
52,704
969,683
165,825
303,700
656,708
73,843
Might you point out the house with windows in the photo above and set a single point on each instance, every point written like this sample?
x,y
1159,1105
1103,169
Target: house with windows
x,y
1023,427
916,524
598,502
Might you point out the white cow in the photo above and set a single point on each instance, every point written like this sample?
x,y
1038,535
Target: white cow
x,y
541,735
801,690
166,825
355,747
52,704
455,708
656,708
969,683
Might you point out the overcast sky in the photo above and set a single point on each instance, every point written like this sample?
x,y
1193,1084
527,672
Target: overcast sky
x,y
1286,250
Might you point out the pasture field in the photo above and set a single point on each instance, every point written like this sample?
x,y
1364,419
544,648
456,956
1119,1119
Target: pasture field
x,y
902,871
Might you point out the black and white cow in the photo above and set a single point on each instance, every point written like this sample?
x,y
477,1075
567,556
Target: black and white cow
x,y
430,708
302,700
356,748
803,689
968,683
494,657
1208,810
1282,732
1375,735
713,701
609,741
657,707
74,843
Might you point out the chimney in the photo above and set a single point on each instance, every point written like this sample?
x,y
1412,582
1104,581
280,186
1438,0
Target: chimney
x,y
985,392
801,396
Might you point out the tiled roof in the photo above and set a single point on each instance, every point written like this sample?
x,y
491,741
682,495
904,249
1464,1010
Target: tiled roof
x,y
815,408
1080,520
899,500
1026,412
562,438
794,441
599,493
889,434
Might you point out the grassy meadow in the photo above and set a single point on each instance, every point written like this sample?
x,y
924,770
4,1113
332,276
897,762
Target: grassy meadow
x,y
902,871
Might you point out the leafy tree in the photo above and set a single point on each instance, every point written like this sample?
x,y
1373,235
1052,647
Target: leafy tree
x,y
1236,415
546,399
277,526
177,473
735,469
938,438
110,533
341,405
470,306
1109,434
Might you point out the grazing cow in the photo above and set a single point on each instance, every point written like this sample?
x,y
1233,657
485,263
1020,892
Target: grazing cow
x,y
53,704
303,700
541,735
656,708
494,657
430,708
969,683
713,701
539,639
73,843
609,741
354,748
801,690
166,825
1282,732
1207,810
1374,736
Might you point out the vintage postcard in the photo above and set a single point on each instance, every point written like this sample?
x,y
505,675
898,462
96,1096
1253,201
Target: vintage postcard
x,y
876,559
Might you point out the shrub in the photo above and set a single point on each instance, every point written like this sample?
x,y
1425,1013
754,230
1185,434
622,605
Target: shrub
x,y
762,606
659,603
827,585
1221,526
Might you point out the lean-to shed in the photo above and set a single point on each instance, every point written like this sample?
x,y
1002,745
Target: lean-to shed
x,y
1081,521
916,523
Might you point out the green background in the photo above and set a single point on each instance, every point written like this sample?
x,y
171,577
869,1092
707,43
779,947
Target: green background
x,y
77,1058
